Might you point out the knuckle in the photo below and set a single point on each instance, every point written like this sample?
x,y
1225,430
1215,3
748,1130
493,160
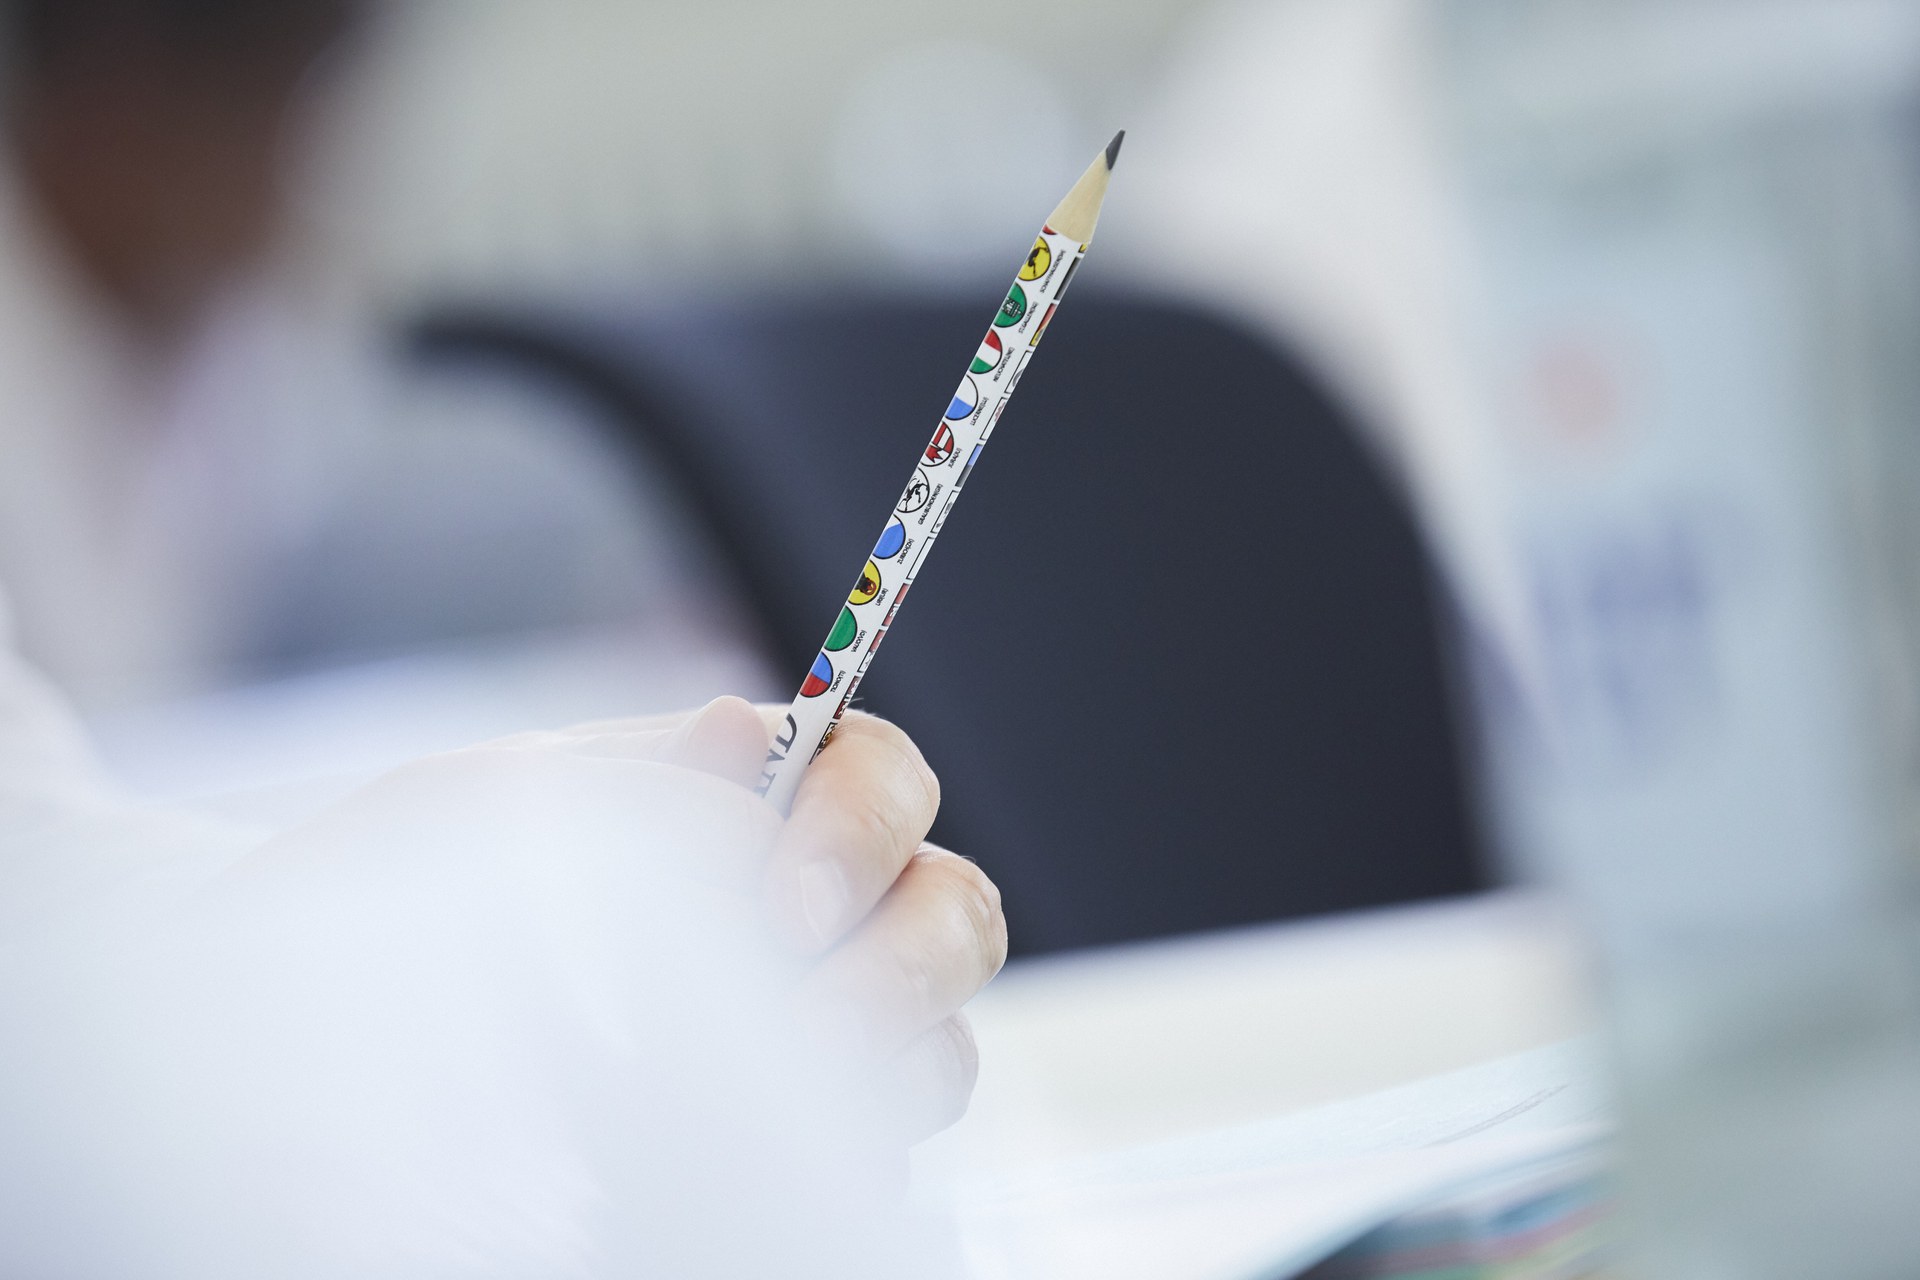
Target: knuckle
x,y
973,901
917,776
885,829
879,829
910,972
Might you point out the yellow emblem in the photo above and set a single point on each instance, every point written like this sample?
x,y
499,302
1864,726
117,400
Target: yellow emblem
x,y
869,585
1038,261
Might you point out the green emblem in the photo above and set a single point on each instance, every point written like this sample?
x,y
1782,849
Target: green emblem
x,y
1012,309
843,632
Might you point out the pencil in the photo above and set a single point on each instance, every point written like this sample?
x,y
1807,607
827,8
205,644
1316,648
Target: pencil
x,y
941,472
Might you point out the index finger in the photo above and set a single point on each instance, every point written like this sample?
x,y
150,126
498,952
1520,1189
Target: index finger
x,y
861,811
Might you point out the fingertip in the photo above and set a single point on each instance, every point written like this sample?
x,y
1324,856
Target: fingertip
x,y
738,714
725,738
933,1078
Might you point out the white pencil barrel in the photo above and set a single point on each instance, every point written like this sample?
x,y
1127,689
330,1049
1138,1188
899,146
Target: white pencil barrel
x,y
938,476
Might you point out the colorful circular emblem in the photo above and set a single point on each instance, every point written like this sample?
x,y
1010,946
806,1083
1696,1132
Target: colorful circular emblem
x,y
1038,261
940,448
1012,309
917,493
868,586
965,400
843,632
818,680
890,542
987,359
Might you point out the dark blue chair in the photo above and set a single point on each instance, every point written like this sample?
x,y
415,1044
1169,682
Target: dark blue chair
x,y
1177,658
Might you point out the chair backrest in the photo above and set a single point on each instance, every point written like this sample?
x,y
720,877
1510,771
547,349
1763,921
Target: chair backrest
x,y
1176,658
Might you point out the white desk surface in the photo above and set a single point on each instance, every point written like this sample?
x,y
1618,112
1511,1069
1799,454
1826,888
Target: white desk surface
x,y
1096,1051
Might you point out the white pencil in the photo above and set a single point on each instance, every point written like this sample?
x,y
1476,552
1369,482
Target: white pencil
x,y
936,482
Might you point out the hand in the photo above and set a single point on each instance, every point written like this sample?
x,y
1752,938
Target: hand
x,y
902,933
505,1011
906,932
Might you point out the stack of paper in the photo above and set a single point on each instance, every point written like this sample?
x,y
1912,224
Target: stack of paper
x,y
1492,1170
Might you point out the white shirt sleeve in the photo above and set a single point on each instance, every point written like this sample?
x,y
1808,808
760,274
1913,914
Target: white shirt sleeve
x,y
386,1049
68,838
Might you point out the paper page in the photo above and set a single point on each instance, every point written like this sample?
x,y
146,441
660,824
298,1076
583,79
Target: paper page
x,y
1267,1199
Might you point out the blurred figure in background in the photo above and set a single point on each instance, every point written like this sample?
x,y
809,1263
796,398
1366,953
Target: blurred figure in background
x,y
210,480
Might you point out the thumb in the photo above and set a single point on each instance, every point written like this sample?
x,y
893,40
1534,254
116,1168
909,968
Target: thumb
x,y
726,738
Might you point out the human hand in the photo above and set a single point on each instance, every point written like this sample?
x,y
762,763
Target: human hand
x,y
505,1011
905,932
900,933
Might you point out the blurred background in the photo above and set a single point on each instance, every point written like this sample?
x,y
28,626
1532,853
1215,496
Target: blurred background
x,y
392,375
1480,453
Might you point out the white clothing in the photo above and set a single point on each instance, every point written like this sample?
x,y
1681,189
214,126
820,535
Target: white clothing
x,y
395,1045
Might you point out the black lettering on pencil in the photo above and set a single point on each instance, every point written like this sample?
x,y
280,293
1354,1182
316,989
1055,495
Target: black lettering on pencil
x,y
776,754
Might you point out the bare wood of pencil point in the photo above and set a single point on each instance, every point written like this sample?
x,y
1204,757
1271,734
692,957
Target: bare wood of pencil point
x,y
1074,217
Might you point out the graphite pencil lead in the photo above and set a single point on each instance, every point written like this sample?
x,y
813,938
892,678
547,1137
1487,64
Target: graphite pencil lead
x,y
1113,148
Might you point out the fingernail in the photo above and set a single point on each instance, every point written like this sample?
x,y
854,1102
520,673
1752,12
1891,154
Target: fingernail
x,y
823,899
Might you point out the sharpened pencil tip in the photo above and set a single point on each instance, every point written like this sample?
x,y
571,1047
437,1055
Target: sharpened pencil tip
x,y
1074,217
